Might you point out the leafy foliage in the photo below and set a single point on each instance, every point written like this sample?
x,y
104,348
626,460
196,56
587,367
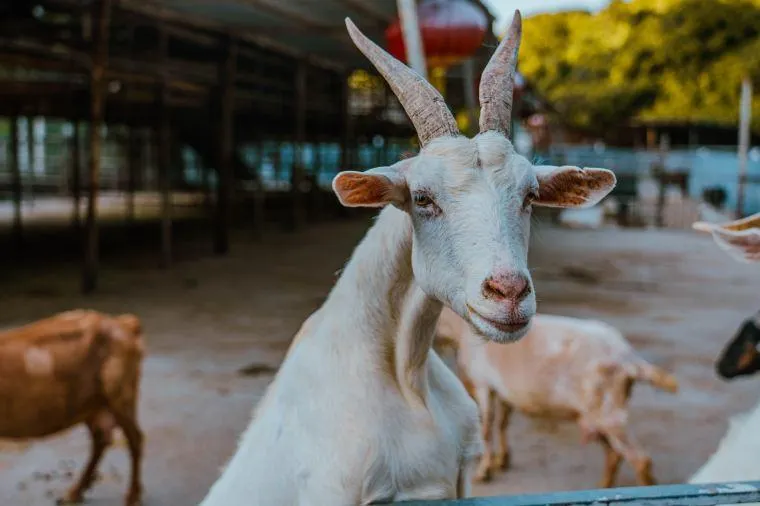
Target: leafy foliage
x,y
649,59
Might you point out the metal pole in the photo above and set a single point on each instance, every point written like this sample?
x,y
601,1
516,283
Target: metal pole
x,y
468,71
745,115
410,28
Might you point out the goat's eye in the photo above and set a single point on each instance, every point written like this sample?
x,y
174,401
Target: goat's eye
x,y
529,198
422,200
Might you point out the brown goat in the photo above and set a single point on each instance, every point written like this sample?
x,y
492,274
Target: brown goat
x,y
75,367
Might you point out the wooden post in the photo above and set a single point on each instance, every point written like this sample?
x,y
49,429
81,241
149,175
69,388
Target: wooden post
x,y
18,223
76,185
347,134
225,148
745,115
102,18
259,195
662,176
297,176
133,163
163,155
30,156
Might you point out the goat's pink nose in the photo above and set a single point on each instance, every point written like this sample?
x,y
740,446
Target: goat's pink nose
x,y
511,286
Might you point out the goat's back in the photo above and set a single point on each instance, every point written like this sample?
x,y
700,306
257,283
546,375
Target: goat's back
x,y
56,372
550,371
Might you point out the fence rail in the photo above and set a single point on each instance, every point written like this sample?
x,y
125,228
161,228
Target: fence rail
x,y
662,495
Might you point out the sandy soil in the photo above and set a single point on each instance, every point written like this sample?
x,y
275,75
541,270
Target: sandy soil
x,y
675,294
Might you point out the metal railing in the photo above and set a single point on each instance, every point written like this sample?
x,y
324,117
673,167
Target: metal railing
x,y
660,495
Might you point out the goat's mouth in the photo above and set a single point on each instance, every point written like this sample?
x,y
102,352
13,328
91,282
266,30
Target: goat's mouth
x,y
515,328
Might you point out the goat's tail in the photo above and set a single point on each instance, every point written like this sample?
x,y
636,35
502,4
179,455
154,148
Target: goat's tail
x,y
656,376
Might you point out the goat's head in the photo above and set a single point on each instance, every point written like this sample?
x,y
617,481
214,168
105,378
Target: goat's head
x,y
469,200
741,356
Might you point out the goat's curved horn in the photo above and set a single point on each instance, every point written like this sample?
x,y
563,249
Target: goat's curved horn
x,y
426,108
498,81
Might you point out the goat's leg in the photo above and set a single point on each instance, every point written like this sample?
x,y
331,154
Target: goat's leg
x,y
486,399
624,444
502,460
127,421
101,427
612,461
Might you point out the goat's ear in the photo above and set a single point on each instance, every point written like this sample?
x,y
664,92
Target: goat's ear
x,y
739,238
373,188
572,186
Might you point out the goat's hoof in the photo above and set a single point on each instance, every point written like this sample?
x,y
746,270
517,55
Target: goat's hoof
x,y
71,497
483,475
503,462
133,501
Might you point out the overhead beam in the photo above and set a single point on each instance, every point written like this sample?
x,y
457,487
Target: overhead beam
x,y
367,9
244,35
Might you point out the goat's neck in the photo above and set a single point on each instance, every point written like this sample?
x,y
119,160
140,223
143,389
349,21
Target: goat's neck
x,y
377,300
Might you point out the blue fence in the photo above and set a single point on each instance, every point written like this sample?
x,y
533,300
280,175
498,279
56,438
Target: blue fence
x,y
661,495
708,166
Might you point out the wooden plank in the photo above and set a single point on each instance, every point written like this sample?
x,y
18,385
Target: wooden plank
x,y
661,495
18,222
226,97
102,14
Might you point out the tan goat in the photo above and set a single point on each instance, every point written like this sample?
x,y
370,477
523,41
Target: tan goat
x,y
74,367
564,368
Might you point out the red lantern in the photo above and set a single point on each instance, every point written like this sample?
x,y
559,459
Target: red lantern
x,y
452,30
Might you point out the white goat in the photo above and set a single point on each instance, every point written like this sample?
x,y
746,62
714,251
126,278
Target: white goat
x,y
738,454
361,411
564,368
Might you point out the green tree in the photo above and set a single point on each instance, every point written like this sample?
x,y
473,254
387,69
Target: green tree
x,y
653,59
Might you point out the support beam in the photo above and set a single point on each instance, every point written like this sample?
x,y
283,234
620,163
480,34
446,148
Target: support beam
x,y
101,16
30,156
76,181
163,155
347,134
18,222
299,170
226,97
134,152
259,194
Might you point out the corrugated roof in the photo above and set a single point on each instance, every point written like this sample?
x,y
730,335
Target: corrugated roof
x,y
310,28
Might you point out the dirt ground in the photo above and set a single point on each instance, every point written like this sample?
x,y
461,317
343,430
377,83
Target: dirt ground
x,y
677,297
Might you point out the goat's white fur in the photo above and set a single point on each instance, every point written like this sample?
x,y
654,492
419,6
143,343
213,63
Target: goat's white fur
x,y
337,428
738,455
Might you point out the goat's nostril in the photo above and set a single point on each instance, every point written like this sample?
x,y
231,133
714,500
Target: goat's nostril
x,y
493,290
510,286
